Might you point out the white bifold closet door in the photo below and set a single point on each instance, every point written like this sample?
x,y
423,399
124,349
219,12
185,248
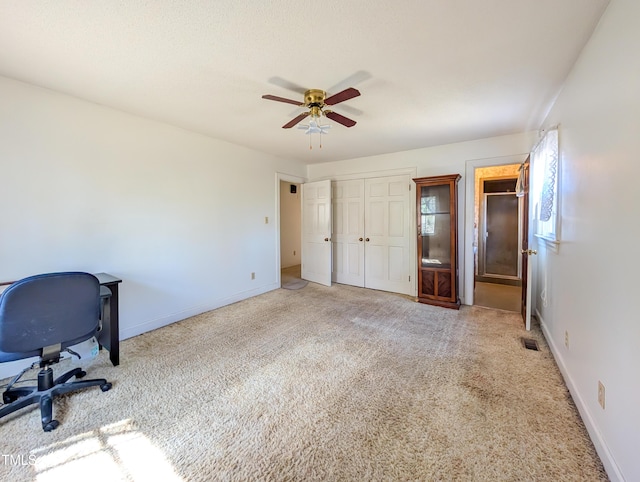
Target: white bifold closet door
x,y
372,233
348,232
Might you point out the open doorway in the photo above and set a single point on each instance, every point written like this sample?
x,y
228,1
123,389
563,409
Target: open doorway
x,y
290,235
497,238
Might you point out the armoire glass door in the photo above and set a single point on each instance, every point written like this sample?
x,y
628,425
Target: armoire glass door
x,y
435,226
436,207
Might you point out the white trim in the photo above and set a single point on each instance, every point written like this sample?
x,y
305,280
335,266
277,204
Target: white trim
x,y
193,311
411,171
610,465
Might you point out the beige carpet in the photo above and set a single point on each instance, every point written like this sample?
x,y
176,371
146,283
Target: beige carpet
x,y
337,383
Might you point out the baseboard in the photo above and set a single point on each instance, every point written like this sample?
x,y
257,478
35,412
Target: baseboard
x,y
193,311
613,471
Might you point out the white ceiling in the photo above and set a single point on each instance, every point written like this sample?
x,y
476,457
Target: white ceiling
x,y
430,72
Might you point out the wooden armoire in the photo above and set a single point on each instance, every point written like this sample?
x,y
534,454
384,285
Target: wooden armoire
x,y
437,209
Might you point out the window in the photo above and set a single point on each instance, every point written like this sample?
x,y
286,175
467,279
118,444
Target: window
x,y
545,183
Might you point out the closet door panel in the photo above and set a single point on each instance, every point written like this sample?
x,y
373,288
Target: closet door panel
x,y
348,232
397,219
387,231
396,261
375,265
375,218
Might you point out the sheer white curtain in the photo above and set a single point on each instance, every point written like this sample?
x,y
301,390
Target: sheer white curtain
x,y
545,185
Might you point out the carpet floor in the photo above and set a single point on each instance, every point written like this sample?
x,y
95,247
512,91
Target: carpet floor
x,y
337,383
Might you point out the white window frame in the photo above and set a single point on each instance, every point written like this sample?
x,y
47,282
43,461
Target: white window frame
x,y
545,187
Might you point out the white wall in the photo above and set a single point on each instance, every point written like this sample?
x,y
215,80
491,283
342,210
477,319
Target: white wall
x,y
592,282
179,216
434,161
290,225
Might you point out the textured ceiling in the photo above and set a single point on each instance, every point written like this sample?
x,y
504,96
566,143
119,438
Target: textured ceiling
x,y
430,72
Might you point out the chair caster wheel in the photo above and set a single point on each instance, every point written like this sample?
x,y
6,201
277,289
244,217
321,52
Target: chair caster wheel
x,y
81,374
50,426
105,387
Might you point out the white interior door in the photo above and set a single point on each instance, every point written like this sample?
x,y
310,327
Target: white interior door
x,y
388,234
348,232
316,232
526,243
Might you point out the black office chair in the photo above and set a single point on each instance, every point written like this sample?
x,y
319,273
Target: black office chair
x,y
44,315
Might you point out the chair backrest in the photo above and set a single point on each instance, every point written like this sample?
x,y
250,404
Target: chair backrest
x,y
48,309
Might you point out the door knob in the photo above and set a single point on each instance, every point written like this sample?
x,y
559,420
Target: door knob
x,y
326,239
359,239
367,239
529,251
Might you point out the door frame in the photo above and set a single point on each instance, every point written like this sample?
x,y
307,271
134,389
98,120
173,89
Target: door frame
x,y
468,266
295,180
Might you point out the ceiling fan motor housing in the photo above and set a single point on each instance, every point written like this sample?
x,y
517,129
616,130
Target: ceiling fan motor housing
x,y
314,97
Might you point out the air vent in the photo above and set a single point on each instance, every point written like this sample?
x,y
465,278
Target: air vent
x,y
530,344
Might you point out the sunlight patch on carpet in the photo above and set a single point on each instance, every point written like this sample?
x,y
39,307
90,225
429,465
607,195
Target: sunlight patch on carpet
x,y
114,452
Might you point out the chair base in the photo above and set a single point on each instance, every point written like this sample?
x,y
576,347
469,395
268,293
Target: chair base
x,y
45,391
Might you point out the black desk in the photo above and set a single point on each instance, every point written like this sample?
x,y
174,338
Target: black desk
x,y
109,336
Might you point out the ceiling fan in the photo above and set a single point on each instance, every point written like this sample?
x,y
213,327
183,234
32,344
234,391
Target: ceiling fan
x,y
316,100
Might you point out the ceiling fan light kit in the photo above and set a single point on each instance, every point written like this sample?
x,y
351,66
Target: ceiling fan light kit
x,y
314,128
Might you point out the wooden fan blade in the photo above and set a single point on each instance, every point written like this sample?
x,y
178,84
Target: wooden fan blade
x,y
346,94
295,120
282,99
340,119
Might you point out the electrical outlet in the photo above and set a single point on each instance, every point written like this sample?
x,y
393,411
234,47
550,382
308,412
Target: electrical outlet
x,y
253,276
601,394
294,252
266,220
566,339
